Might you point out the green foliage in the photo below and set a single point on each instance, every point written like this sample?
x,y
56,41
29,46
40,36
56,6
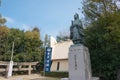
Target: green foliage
x,y
55,74
27,47
63,35
65,38
47,40
103,39
102,36
4,34
94,9
2,20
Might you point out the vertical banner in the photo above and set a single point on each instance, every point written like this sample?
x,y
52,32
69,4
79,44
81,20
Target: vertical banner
x,y
47,62
10,69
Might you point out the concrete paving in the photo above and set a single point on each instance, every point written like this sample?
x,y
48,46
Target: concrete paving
x,y
28,77
45,79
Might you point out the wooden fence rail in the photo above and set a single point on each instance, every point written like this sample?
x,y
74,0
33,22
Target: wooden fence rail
x,y
18,66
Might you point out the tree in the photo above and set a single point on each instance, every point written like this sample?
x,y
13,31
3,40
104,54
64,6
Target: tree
x,y
104,45
27,45
46,41
36,29
32,45
94,9
102,36
63,35
0,3
2,20
4,34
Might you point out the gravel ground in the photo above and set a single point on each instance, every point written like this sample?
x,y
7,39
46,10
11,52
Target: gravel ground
x,y
28,77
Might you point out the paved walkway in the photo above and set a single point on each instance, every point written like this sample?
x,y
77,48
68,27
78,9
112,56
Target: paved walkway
x,y
28,77
45,79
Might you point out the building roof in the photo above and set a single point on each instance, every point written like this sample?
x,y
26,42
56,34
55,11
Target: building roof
x,y
60,50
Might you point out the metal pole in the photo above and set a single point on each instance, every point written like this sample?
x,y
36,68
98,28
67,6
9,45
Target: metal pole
x,y
12,51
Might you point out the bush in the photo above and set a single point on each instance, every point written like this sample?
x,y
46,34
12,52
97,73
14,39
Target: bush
x,y
55,74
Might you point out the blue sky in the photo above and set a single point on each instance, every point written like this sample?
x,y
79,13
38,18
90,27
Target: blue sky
x,y
51,16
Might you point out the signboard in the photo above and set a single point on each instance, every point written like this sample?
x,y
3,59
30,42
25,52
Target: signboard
x,y
47,63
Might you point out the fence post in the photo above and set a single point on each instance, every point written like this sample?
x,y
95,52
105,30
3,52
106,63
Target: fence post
x,y
6,70
29,68
29,71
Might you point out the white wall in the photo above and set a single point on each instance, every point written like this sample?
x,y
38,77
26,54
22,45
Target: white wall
x,y
63,65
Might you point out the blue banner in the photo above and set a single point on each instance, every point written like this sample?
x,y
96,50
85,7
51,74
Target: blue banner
x,y
47,63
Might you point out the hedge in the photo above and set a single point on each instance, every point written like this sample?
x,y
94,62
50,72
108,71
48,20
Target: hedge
x,y
55,74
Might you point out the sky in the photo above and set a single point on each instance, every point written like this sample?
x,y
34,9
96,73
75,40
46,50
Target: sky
x,y
51,16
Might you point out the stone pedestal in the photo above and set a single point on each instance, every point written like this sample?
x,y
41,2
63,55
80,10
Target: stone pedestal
x,y
79,63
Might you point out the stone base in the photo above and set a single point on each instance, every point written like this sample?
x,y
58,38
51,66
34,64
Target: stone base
x,y
93,78
79,63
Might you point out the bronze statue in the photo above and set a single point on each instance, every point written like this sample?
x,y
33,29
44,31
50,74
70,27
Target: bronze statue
x,y
76,30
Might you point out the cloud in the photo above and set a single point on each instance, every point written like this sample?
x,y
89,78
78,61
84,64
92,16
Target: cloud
x,y
9,20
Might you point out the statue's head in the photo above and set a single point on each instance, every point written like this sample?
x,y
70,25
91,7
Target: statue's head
x,y
76,16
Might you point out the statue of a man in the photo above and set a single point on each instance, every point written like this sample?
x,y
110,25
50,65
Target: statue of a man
x,y
76,30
